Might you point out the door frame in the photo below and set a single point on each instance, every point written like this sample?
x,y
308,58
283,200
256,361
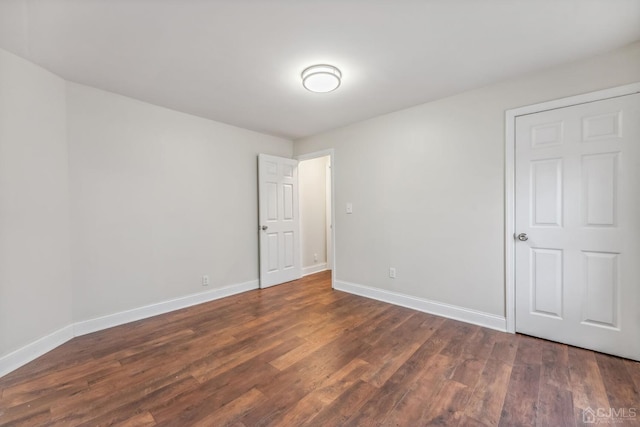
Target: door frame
x,y
510,176
314,155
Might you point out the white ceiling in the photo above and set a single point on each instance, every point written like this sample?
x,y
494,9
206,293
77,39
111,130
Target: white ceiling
x,y
239,61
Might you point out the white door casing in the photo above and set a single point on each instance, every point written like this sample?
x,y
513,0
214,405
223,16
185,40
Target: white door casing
x,y
328,215
577,198
279,225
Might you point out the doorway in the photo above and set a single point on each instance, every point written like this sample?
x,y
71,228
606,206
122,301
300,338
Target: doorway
x,y
315,177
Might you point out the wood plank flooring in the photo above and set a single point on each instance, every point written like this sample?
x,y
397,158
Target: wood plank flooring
x,y
304,354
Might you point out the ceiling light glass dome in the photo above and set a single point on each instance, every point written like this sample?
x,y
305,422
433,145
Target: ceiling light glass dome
x,y
321,78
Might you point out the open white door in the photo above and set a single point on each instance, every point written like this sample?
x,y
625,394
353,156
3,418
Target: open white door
x,y
279,226
577,222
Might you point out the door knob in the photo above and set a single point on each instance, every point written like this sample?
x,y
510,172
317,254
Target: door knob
x,y
523,237
264,228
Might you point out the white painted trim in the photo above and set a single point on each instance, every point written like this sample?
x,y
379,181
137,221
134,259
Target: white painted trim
x,y
510,140
31,351
328,199
509,222
576,99
334,267
116,319
314,155
26,354
312,269
467,315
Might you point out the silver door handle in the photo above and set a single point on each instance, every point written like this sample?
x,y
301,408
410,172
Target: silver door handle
x,y
263,228
523,237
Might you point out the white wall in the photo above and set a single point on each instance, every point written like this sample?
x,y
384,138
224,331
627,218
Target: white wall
x,y
427,185
109,204
35,287
158,199
313,219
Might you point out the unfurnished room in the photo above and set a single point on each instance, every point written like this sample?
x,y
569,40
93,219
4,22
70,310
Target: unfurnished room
x,y
319,213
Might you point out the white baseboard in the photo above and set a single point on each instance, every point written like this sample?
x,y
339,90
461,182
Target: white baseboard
x,y
31,351
116,319
467,315
312,269
26,354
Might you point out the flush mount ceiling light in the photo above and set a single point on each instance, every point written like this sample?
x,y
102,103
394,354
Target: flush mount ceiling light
x,y
321,78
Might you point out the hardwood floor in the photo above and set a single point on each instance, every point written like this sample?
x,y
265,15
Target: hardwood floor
x,y
303,354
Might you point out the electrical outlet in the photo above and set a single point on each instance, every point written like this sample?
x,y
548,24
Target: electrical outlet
x,y
392,272
205,280
315,257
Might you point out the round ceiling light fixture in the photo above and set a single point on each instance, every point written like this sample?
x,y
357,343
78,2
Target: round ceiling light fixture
x,y
321,78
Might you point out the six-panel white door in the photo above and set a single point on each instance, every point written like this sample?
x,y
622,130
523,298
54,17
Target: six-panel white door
x,y
279,220
578,202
